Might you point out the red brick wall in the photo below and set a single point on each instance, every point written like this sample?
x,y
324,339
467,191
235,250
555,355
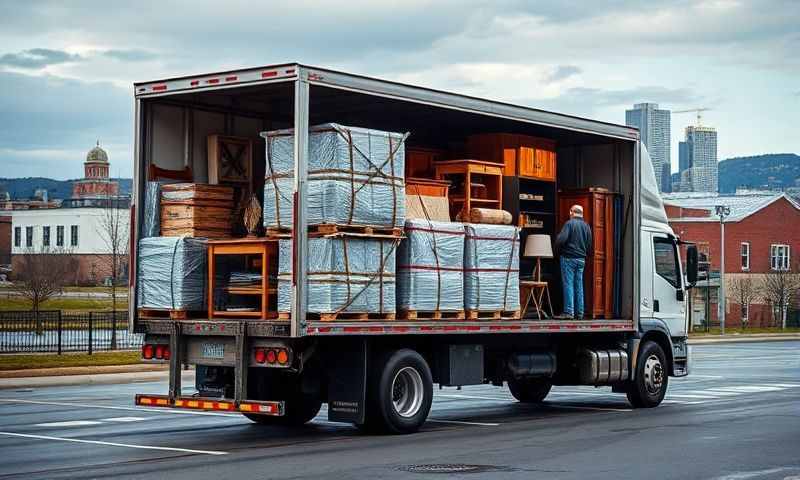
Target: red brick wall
x,y
92,269
779,223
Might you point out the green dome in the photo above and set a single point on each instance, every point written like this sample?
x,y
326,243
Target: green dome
x,y
97,155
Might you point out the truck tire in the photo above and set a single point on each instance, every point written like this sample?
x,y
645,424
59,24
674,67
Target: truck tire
x,y
400,394
298,411
529,390
649,386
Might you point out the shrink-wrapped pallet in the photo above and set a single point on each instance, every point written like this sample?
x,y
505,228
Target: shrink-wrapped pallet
x,y
491,267
151,223
430,260
355,177
345,275
172,273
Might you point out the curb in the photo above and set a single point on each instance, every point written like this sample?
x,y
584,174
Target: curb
x,y
85,370
92,379
764,337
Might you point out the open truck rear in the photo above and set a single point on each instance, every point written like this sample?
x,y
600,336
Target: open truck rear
x,y
380,373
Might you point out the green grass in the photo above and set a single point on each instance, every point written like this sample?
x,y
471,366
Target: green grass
x,y
22,362
744,331
64,304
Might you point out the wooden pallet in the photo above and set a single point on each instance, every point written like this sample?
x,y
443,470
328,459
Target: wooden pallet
x,y
430,315
172,314
492,314
342,316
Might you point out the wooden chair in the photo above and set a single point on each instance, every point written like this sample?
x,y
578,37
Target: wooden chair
x,y
155,173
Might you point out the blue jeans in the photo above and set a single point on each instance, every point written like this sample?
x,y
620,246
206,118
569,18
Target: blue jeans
x,y
572,283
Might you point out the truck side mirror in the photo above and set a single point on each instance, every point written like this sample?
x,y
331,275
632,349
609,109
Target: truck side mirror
x,y
691,265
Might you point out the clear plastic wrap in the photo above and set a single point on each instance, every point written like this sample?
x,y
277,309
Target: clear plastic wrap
x,y
430,270
491,267
172,273
151,223
355,177
344,275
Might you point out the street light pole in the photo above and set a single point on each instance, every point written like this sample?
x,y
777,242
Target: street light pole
x,y
722,211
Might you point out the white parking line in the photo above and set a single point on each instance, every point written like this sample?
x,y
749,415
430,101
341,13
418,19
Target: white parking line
x,y
473,397
461,422
686,395
113,444
70,423
749,389
123,419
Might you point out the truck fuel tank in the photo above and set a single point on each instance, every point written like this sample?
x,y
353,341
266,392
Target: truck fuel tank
x,y
602,367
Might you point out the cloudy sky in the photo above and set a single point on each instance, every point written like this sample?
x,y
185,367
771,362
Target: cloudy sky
x,y
67,68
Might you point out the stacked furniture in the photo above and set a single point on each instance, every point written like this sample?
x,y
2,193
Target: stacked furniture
x,y
356,208
474,183
196,210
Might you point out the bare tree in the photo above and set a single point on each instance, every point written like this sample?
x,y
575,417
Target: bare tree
x,y
780,289
744,289
42,274
114,229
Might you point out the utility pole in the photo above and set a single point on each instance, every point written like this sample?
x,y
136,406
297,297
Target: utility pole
x,y
722,211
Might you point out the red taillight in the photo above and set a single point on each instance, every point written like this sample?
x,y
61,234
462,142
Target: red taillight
x,y
159,351
166,352
147,352
283,357
261,356
271,356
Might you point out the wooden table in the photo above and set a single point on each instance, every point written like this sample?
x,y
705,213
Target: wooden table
x,y
535,291
263,249
472,174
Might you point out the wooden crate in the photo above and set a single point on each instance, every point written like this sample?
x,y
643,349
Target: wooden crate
x,y
197,210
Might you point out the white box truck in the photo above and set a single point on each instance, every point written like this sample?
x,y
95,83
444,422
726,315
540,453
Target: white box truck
x,y
380,374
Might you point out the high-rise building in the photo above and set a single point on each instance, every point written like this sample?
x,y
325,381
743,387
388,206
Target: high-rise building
x,y
654,126
684,161
702,173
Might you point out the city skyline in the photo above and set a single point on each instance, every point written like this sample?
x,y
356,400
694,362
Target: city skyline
x,y
654,127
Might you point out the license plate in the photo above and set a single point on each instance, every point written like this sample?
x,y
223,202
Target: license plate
x,y
213,350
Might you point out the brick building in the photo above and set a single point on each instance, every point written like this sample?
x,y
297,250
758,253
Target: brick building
x,y
762,237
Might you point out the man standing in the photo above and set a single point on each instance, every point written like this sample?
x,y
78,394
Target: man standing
x,y
573,245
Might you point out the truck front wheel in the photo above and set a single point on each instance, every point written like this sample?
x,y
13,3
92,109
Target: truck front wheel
x,y
401,394
649,386
529,390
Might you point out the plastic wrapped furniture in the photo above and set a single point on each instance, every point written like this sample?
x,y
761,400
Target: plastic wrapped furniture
x,y
430,270
355,177
172,273
151,223
491,268
345,275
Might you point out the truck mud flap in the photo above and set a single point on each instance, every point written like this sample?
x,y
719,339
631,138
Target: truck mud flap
x,y
347,382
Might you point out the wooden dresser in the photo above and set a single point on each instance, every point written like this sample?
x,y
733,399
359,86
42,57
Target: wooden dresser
x,y
598,212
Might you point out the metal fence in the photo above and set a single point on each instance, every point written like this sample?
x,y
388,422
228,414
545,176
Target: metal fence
x,y
56,331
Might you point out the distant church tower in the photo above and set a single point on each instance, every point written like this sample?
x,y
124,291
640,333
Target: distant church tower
x,y
95,182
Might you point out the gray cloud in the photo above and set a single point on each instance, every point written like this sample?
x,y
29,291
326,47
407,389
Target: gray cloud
x,y
562,72
37,58
130,55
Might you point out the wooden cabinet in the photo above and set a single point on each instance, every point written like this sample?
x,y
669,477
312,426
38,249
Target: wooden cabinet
x,y
598,212
521,155
243,289
420,161
473,184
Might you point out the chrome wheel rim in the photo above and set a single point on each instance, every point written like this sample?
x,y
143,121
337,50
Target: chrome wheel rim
x,y
407,392
653,375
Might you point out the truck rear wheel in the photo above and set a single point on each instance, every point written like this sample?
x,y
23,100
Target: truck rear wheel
x,y
401,394
529,390
299,406
649,386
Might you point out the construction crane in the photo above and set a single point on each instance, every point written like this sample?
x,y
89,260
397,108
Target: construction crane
x,y
697,111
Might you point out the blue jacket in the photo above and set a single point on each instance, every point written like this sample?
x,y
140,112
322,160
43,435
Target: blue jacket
x,y
575,239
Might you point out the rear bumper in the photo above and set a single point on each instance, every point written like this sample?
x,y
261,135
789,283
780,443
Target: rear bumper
x,y
273,408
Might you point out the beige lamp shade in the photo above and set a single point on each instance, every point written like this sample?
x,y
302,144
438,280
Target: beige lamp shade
x,y
538,246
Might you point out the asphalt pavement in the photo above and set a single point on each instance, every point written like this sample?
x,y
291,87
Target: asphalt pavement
x,y
736,417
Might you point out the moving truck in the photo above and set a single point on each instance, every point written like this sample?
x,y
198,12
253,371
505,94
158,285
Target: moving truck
x,y
379,374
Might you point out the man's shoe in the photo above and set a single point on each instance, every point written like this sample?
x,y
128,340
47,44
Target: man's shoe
x,y
564,316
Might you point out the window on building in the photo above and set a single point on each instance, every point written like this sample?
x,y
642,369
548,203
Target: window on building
x,y
745,254
46,236
779,257
667,261
60,236
73,235
28,236
17,236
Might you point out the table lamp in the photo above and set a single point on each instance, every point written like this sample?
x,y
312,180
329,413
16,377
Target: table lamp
x,y
538,246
